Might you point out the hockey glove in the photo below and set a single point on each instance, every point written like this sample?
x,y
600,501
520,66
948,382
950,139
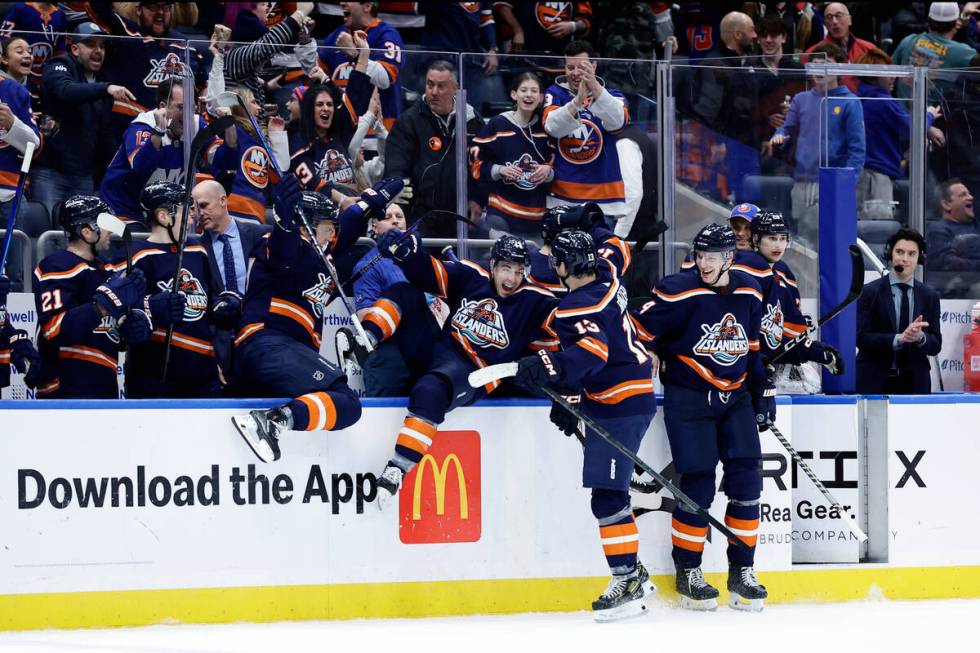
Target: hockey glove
x,y
4,290
764,404
166,307
537,371
285,198
407,193
566,422
226,310
23,355
394,245
378,197
826,355
135,327
120,293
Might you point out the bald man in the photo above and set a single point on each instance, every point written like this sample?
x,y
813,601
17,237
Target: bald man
x,y
837,19
230,243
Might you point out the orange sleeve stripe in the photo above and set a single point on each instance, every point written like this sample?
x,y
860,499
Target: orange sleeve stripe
x,y
391,69
593,346
643,333
442,278
248,330
622,391
53,327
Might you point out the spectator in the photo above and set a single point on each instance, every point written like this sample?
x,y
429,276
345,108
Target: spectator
x,y
294,131
74,97
369,171
781,77
886,129
338,54
955,240
894,346
827,118
516,160
586,119
422,151
544,27
802,25
250,23
837,18
42,25
152,150
16,60
698,29
936,49
18,129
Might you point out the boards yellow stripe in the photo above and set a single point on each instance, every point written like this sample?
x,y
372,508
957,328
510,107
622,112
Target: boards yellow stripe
x,y
444,598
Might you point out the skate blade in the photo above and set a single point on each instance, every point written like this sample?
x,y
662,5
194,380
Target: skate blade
x,y
383,498
245,424
704,605
634,608
649,589
738,602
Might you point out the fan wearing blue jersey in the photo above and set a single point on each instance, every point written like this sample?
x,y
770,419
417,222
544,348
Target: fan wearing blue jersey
x,y
602,359
704,324
494,317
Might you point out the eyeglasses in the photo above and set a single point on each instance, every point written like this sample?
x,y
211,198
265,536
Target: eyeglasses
x,y
159,7
835,17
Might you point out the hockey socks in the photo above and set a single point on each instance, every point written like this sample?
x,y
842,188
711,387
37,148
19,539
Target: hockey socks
x,y
742,517
617,530
328,410
382,320
414,439
688,533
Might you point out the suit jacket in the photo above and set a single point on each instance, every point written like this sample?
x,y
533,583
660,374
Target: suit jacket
x,y
251,233
877,326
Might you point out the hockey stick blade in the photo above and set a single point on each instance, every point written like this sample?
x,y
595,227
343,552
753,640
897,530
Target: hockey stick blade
x,y
489,374
111,223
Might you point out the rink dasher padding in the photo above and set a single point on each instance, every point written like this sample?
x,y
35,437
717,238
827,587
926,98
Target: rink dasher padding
x,y
523,540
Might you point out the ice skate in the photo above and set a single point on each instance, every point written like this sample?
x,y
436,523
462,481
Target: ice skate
x,y
622,599
261,429
350,350
649,589
388,484
745,591
694,590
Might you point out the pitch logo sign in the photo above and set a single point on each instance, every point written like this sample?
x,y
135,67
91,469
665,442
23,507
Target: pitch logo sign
x,y
723,342
481,323
440,500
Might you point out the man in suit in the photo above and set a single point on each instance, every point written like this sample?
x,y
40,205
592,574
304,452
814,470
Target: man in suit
x,y
230,243
894,346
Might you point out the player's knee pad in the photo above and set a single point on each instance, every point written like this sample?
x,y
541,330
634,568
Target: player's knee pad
x,y
743,479
607,503
431,397
347,404
700,486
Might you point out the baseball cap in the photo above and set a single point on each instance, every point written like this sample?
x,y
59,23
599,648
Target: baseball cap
x,y
944,12
745,211
87,30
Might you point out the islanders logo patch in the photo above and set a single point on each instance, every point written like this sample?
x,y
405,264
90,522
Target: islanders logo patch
x,y
319,294
723,342
583,145
481,323
195,297
772,325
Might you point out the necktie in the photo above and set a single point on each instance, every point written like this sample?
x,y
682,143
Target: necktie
x,y
231,280
904,317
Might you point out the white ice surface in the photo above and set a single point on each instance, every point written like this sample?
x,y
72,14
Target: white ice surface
x,y
866,626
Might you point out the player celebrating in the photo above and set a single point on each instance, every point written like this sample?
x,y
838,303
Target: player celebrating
x,y
288,288
704,324
601,358
495,317
80,307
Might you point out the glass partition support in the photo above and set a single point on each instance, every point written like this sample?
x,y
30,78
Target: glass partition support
x,y
917,156
666,174
190,111
462,166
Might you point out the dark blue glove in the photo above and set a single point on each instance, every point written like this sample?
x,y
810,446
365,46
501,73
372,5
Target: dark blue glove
x,y
764,405
395,245
285,198
166,307
535,372
563,419
4,290
120,293
226,310
378,197
23,355
135,327
824,354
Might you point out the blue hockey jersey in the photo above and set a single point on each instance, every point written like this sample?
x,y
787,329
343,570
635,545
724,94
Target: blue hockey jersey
x,y
18,99
249,162
609,245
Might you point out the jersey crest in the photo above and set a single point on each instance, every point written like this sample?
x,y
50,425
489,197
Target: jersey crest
x,y
195,297
107,328
526,164
772,325
319,294
583,145
550,13
163,69
723,342
255,166
481,323
334,167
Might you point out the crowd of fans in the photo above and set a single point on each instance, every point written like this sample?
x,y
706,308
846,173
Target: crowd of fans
x,y
349,93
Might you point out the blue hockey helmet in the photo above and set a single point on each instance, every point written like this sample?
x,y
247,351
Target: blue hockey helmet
x,y
317,207
511,249
576,250
81,211
714,238
564,217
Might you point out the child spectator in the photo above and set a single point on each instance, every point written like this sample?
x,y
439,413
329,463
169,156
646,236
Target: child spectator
x,y
42,25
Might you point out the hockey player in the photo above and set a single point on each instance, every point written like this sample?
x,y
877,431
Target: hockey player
x,y
601,358
704,324
16,347
494,317
80,309
288,287
193,370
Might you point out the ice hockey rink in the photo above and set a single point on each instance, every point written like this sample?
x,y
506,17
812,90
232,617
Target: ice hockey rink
x,y
868,625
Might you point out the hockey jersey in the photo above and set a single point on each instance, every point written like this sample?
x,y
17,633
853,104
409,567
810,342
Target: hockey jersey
x,y
249,162
386,60
192,354
537,17
18,99
587,165
609,246
504,142
458,26
79,347
44,31
601,351
484,327
707,338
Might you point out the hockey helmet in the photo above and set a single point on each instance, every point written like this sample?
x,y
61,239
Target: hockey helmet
x,y
576,250
511,249
160,194
744,211
317,207
561,218
715,238
81,211
769,223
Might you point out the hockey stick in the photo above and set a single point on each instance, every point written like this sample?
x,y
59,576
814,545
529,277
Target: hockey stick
x,y
202,138
857,284
851,524
25,167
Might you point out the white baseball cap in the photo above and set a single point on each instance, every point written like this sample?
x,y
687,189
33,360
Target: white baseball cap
x,y
944,12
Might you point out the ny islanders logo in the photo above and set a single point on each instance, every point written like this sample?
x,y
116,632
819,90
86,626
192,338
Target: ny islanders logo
x,y
583,145
335,167
724,342
526,164
772,325
319,294
107,327
163,69
195,297
255,166
550,13
481,323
